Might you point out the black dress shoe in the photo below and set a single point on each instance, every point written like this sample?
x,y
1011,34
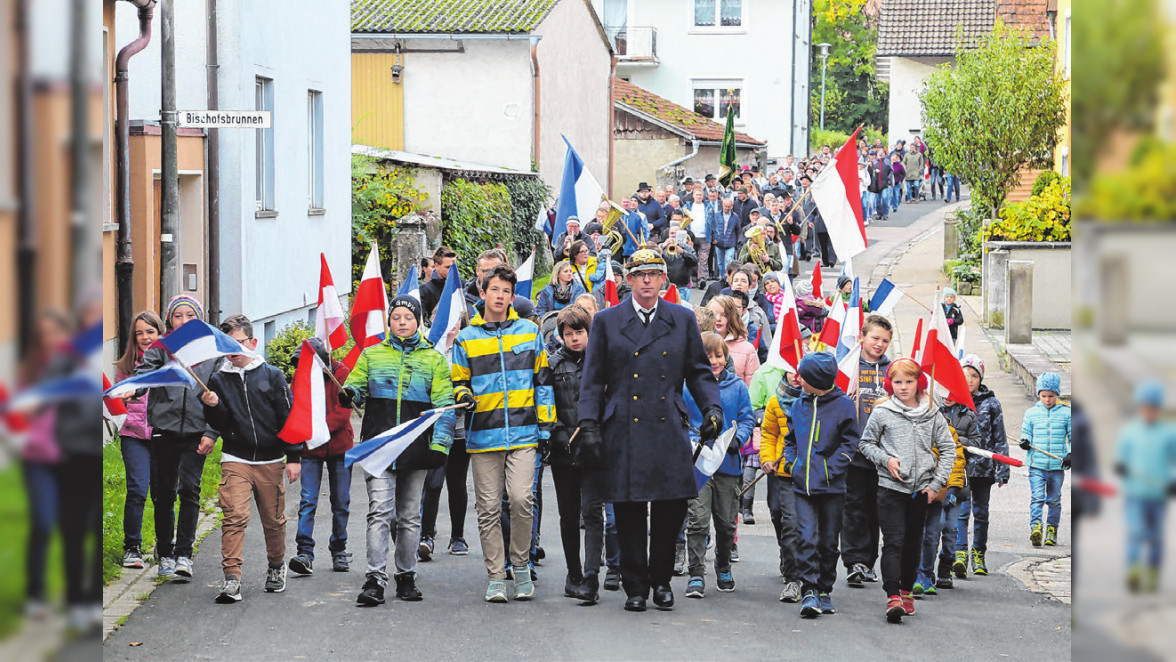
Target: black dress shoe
x,y
663,597
587,591
635,603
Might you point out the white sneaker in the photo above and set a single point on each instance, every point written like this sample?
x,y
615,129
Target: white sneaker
x,y
184,567
230,591
167,567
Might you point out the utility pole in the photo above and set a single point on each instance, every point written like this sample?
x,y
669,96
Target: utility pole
x,y
824,66
169,176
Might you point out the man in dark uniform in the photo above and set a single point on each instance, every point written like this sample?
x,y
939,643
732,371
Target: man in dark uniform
x,y
632,423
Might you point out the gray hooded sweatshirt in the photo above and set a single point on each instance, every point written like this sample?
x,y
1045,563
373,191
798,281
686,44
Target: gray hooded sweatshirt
x,y
909,433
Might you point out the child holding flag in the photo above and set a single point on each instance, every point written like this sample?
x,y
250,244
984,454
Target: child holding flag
x,y
248,401
1146,457
399,379
1045,435
982,472
718,499
899,439
781,495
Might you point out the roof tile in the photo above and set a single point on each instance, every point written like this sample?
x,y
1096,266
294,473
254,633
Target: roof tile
x,y
671,113
912,28
440,16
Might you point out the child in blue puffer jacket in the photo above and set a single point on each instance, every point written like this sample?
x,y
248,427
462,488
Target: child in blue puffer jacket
x,y
718,499
1045,435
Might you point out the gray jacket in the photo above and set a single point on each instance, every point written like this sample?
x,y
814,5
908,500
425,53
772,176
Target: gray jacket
x,y
895,430
177,410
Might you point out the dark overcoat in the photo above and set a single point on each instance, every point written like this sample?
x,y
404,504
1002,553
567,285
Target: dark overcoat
x,y
632,386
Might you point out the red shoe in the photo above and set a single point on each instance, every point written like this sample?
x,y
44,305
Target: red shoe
x,y
894,609
908,602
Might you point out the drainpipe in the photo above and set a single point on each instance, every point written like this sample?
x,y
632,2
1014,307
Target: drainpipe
x,y
125,261
675,162
169,158
535,97
212,171
612,76
25,235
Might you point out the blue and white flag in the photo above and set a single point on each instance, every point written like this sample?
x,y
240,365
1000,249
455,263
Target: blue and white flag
x,y
450,309
851,326
78,386
411,287
885,297
171,374
526,275
198,341
88,345
847,268
378,453
579,194
711,458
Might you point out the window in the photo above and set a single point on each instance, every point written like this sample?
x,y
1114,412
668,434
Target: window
x,y
314,147
718,13
264,174
713,98
1066,54
1065,162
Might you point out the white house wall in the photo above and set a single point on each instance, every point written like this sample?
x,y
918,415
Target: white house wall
x,y
574,67
907,76
473,106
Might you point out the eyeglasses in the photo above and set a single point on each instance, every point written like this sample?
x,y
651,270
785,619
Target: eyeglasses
x,y
646,275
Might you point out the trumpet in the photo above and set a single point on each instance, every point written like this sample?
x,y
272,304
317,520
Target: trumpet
x,y
672,249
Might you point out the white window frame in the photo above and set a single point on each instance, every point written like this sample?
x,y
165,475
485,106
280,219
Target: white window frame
x,y
264,176
1066,46
718,28
1065,164
314,150
718,84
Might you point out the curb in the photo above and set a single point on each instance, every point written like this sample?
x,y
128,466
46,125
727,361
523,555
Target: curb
x,y
124,595
1044,575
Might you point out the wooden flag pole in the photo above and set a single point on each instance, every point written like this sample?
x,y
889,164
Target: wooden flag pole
x,y
193,374
320,364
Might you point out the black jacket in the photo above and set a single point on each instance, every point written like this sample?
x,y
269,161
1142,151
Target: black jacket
x,y
177,410
254,405
431,295
566,367
654,213
742,209
681,266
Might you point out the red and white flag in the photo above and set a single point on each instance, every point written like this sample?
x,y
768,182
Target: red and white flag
x,y
671,294
611,296
817,282
113,409
369,310
943,368
831,331
916,348
849,370
329,317
837,196
787,347
308,413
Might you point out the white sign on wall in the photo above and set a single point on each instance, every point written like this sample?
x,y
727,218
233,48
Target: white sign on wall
x,y
224,119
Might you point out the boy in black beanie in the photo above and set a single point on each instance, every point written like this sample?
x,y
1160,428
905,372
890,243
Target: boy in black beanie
x,y
820,443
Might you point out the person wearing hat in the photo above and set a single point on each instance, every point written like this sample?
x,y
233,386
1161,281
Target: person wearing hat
x,y
640,354
772,409
1144,456
951,310
651,208
1046,429
687,192
179,432
982,472
399,379
821,439
711,183
565,240
743,205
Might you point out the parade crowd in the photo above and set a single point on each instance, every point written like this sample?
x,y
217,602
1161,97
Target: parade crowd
x,y
615,395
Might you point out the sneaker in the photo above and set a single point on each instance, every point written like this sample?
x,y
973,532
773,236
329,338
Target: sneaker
x,y
302,565
425,549
826,604
496,591
1051,536
458,547
748,518
734,553
37,610
960,566
930,589
1135,578
372,593
167,567
275,579
696,587
921,584
406,588
979,566
791,592
230,591
724,580
184,567
1035,535
894,609
679,563
341,561
612,580
869,575
944,581
133,558
1151,579
908,602
524,585
810,607
856,576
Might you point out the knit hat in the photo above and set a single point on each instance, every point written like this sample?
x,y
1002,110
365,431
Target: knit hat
x,y
593,227
403,301
1150,393
948,292
1049,381
524,307
842,281
319,348
974,362
819,369
772,277
803,288
182,300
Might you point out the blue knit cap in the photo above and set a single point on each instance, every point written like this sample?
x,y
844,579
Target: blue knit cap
x,y
1150,393
1049,381
819,369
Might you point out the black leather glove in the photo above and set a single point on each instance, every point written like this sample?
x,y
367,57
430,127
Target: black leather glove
x,y
1066,461
712,423
347,396
1024,444
544,450
467,398
588,447
559,442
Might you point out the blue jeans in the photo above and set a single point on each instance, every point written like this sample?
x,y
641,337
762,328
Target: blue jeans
x,y
882,202
612,544
895,196
136,455
951,183
1145,526
912,189
340,493
1046,489
935,182
977,508
684,292
722,257
41,487
939,528
818,520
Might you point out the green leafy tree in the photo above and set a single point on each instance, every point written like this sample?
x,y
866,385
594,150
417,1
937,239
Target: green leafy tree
x,y
994,112
380,196
853,94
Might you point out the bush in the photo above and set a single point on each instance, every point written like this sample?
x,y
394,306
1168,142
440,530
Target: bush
x,y
1044,217
475,217
1145,191
1046,178
527,197
965,273
280,350
379,197
969,221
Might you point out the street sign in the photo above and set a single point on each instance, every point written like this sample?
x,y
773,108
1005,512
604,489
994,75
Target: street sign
x,y
224,119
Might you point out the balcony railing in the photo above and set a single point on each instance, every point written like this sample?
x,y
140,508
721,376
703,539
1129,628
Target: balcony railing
x,y
634,44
